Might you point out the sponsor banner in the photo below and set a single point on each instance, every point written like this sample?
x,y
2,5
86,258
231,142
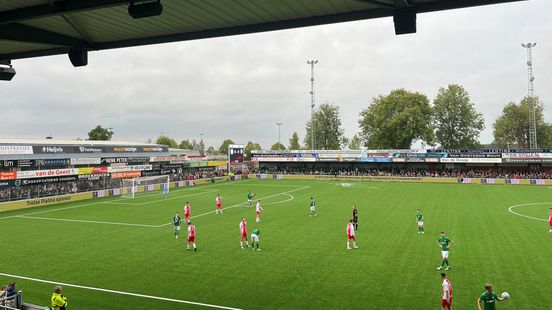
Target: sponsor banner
x,y
21,204
527,155
89,149
399,160
170,166
27,182
488,181
16,150
513,181
138,160
471,160
126,175
432,160
8,175
86,161
46,173
129,168
417,159
375,160
125,149
93,177
217,163
8,163
52,149
114,160
99,194
466,180
527,160
537,182
168,158
474,155
52,162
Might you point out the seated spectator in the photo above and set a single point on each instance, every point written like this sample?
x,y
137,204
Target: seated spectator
x,y
59,302
9,295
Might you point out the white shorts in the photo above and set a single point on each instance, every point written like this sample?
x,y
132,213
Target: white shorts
x,y
313,208
420,223
254,238
249,200
444,254
177,228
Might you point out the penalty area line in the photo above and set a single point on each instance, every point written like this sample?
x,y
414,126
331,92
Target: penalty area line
x,y
98,289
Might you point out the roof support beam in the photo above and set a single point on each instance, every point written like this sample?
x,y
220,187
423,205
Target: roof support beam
x,y
56,8
379,3
24,33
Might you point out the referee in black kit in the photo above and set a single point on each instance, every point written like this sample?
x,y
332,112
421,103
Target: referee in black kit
x,y
355,217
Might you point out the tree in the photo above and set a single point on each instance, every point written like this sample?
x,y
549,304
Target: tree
x,y
457,123
326,125
512,127
396,121
223,149
277,146
165,140
250,147
294,142
210,150
100,134
355,142
185,144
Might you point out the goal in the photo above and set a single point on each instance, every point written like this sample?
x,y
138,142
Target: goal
x,y
131,187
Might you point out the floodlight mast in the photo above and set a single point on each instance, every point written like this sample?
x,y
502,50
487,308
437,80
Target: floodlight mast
x,y
312,63
279,126
531,97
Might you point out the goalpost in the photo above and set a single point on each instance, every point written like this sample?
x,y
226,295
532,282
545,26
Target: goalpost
x,y
144,184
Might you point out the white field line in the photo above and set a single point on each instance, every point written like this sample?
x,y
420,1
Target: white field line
x,y
243,203
120,292
85,221
178,190
90,204
159,200
511,209
279,202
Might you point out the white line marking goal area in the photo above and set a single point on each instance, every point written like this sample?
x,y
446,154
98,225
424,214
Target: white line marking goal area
x,y
98,289
511,209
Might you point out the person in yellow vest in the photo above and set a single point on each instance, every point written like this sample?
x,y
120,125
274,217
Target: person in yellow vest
x,y
59,302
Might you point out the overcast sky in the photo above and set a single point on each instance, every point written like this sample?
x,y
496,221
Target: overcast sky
x,y
239,87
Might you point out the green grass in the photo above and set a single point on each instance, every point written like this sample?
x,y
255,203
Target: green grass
x,y
303,263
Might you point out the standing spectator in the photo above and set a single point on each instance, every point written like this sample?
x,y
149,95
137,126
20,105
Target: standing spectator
x,y
9,295
59,302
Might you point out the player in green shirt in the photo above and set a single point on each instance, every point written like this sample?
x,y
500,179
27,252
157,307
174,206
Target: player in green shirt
x,y
176,225
445,244
420,221
312,207
250,196
488,298
255,239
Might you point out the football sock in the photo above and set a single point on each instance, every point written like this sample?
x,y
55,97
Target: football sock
x,y
446,261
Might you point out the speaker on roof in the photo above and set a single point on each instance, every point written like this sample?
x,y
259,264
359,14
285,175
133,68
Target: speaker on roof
x,y
78,57
405,21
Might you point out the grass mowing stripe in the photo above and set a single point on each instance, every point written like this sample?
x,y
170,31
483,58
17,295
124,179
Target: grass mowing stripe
x,y
120,292
85,221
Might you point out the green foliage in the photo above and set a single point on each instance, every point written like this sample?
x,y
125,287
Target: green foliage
x,y
223,149
512,127
210,150
165,140
186,145
250,147
277,146
355,143
457,123
396,120
326,125
294,142
100,134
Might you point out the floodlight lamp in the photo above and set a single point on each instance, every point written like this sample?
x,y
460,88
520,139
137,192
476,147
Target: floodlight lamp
x,y
147,9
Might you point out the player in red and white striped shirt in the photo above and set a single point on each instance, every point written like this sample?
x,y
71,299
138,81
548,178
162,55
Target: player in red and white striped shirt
x,y
258,209
446,297
243,233
191,236
218,200
351,235
187,212
550,220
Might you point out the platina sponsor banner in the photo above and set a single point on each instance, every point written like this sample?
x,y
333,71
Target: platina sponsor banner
x,y
16,150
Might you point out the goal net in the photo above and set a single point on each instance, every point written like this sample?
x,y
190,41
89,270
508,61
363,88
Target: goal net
x,y
131,187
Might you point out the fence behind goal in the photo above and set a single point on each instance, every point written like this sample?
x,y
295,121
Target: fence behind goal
x,y
144,184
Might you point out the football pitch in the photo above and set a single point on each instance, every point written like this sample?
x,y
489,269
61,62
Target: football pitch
x,y
115,253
